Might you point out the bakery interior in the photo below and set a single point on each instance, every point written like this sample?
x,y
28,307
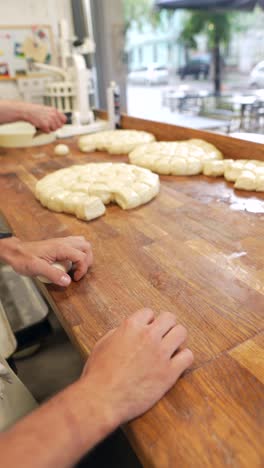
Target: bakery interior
x,y
131,233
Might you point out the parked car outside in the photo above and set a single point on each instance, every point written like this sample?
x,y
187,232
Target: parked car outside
x,y
256,79
197,66
150,75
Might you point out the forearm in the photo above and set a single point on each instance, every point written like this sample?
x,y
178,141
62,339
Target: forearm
x,y
11,111
8,249
60,432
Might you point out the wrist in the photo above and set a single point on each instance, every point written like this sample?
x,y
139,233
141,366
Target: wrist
x,y
98,407
22,112
8,249
12,111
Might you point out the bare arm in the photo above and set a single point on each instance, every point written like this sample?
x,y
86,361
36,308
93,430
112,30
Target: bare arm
x,y
59,432
43,117
129,370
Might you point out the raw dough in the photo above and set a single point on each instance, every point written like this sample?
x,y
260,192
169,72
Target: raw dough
x,y
84,190
216,168
61,150
233,171
175,158
65,266
246,174
114,141
247,180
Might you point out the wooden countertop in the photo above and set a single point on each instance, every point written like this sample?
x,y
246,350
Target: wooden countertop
x,y
197,251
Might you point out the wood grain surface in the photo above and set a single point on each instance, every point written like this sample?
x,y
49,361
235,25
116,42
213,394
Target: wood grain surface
x,y
197,251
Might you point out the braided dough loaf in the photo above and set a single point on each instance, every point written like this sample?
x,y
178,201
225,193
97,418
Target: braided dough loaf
x,y
175,158
114,141
84,190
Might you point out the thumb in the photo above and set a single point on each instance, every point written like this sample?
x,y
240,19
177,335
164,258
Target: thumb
x,y
51,274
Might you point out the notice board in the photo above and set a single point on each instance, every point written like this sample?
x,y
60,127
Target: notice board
x,y
20,46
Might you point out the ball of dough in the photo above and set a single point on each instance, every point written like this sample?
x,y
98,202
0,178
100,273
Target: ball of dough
x,y
65,266
61,150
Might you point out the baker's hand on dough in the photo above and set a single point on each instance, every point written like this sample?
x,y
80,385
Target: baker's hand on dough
x,y
45,118
36,258
134,365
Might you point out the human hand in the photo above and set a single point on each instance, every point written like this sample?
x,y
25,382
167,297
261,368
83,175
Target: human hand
x,y
45,118
36,258
134,365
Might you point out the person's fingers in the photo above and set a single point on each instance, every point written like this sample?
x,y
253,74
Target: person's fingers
x,y
54,275
58,121
53,124
62,117
174,339
142,317
42,125
87,249
48,119
77,257
164,323
181,361
79,242
53,127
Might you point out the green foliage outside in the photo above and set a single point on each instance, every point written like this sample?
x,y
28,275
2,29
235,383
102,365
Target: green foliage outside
x,y
142,12
216,26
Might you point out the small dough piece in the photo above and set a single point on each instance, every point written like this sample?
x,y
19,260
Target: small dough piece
x,y
209,150
259,172
64,266
55,201
194,166
101,191
90,208
114,141
126,197
216,168
61,150
260,183
233,171
73,200
247,180
163,165
179,166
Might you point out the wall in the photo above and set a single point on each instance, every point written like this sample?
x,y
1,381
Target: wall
x,y
19,12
